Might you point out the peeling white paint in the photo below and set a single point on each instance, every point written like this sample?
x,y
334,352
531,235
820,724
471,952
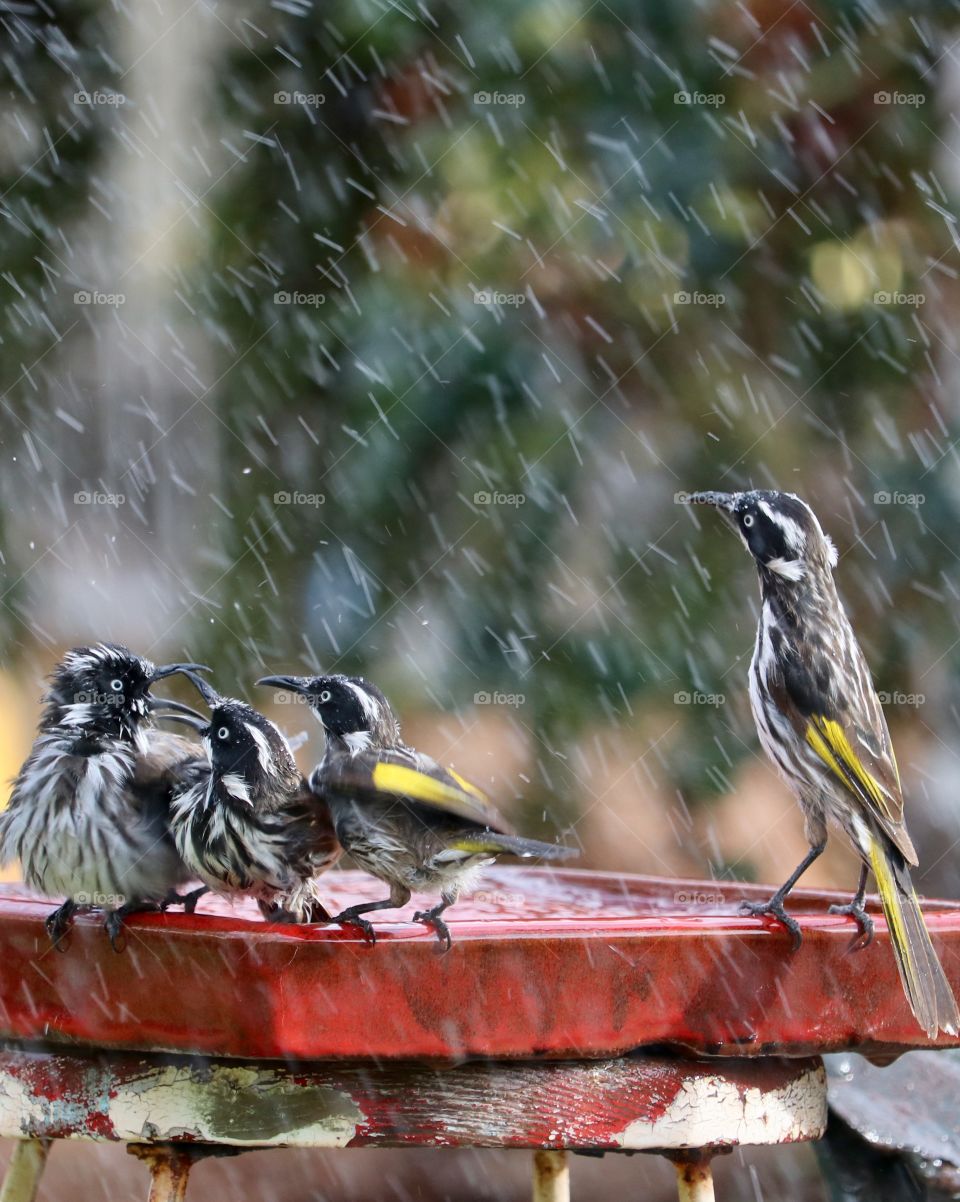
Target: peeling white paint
x,y
709,1111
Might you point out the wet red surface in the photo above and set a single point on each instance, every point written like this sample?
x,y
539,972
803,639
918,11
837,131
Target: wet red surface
x,y
562,964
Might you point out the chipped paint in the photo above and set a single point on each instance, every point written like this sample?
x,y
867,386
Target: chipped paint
x,y
226,1105
709,1111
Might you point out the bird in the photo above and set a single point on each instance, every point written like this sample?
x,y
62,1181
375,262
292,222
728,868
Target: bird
x,y
819,720
402,818
252,826
87,815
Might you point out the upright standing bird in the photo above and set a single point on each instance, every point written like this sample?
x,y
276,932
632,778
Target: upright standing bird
x,y
87,817
403,818
252,826
820,722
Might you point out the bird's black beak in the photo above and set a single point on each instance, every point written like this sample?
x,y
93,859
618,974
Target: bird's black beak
x,y
172,669
725,501
292,684
164,706
203,687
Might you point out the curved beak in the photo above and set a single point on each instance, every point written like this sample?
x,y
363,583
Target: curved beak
x,y
292,684
726,501
198,723
203,687
166,706
171,669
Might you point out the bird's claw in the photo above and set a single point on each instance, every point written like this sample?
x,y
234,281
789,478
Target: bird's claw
x,y
113,925
363,925
431,919
187,900
774,907
58,925
278,914
857,911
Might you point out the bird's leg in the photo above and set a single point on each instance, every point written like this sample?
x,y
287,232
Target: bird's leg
x,y
399,896
312,911
59,922
113,920
431,918
858,911
274,912
187,900
774,907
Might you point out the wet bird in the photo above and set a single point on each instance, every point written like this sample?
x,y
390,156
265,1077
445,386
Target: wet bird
x,y
402,817
820,722
253,827
87,817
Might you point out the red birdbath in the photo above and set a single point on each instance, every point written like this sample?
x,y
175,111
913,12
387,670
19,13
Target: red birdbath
x,y
217,1031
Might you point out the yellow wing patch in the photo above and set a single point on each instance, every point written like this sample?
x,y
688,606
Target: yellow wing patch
x,y
829,740
408,782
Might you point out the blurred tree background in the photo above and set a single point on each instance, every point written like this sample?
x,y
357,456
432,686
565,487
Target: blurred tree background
x,y
428,314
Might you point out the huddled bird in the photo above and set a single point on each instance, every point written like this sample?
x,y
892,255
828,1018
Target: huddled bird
x,y
402,818
820,721
252,827
88,813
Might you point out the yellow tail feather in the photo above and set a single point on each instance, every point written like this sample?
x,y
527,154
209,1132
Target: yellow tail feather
x,y
928,991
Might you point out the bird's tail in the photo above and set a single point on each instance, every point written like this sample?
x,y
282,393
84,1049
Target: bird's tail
x,y
924,982
515,845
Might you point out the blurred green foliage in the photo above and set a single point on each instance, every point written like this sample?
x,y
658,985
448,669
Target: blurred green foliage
x,y
734,153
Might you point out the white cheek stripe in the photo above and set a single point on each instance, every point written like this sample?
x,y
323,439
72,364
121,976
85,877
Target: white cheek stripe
x,y
264,754
369,704
792,531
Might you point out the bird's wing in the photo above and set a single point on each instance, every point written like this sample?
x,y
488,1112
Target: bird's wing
x,y
169,763
405,774
834,709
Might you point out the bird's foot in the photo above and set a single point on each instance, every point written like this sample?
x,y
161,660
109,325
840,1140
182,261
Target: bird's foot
x,y
857,911
351,918
113,921
113,925
774,907
276,913
312,911
431,918
58,924
187,900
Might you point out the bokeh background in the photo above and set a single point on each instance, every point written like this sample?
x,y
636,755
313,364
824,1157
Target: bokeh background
x,y
383,338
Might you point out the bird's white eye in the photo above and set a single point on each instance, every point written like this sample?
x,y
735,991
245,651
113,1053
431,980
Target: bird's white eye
x,y
325,696
748,519
116,685
223,732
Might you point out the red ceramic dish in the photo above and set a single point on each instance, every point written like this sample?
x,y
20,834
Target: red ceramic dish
x,y
555,964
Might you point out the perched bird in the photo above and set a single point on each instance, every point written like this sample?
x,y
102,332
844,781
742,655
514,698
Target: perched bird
x,y
252,826
820,722
402,818
87,817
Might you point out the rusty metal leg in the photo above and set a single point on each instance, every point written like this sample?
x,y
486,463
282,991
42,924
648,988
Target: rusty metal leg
x,y
694,1177
551,1177
24,1170
169,1166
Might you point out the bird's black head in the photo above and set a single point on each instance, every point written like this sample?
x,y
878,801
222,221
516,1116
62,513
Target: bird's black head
x,y
351,710
248,753
105,689
250,757
779,530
